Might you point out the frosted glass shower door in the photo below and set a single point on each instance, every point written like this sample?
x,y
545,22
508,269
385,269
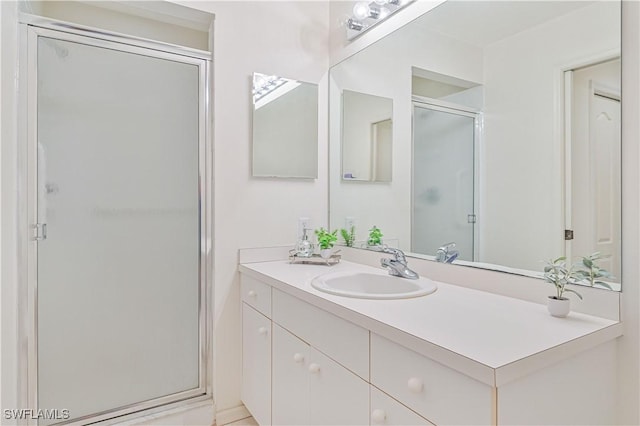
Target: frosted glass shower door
x,y
119,144
443,180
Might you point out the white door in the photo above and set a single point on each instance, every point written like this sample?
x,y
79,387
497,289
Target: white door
x,y
337,396
256,364
595,164
290,391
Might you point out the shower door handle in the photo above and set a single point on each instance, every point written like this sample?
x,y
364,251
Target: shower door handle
x,y
41,179
41,231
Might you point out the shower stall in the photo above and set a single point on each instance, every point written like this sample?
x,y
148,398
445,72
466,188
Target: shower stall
x,y
116,192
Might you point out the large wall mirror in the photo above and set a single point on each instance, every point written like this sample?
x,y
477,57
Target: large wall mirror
x,y
285,127
506,134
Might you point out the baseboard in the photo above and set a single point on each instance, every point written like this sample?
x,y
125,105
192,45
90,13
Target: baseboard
x,y
232,415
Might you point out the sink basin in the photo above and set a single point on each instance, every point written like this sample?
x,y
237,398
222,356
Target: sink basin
x,y
367,285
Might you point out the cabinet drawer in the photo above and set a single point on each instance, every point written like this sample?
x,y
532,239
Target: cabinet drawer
x,y
345,342
256,294
387,411
438,393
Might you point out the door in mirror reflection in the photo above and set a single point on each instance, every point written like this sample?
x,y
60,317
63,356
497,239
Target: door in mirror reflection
x,y
443,180
594,204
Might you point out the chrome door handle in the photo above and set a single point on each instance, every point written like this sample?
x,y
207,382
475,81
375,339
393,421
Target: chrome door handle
x,y
41,231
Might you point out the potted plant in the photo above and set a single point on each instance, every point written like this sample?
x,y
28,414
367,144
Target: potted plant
x,y
349,236
591,272
326,241
557,273
375,237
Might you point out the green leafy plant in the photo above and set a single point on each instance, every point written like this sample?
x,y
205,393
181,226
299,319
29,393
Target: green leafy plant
x,y
591,272
326,239
557,273
349,236
375,236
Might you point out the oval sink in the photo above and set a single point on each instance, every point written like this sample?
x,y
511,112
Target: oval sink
x,y
366,285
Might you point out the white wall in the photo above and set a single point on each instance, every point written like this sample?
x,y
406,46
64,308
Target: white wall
x,y
522,149
276,38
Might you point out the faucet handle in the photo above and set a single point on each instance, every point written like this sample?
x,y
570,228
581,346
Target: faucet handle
x,y
397,253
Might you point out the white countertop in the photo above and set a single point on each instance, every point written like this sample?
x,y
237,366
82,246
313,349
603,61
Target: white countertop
x,y
491,337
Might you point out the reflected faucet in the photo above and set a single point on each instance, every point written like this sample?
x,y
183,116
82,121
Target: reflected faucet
x,y
447,253
398,265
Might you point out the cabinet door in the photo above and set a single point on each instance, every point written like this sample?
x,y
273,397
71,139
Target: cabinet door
x,y
256,364
336,395
290,391
387,411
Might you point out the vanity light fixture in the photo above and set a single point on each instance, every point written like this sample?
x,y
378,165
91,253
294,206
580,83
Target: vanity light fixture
x,y
368,14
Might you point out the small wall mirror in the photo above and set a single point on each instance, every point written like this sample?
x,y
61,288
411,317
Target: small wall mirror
x,y
285,127
367,137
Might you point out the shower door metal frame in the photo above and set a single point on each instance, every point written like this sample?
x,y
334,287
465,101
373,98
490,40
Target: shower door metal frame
x,y
452,108
31,28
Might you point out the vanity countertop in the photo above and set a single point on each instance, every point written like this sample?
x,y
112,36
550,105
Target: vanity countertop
x,y
490,337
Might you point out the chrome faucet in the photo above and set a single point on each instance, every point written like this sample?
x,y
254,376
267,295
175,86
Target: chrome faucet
x,y
447,253
398,265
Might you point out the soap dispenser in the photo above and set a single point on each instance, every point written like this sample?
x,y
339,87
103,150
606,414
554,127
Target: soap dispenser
x,y
304,247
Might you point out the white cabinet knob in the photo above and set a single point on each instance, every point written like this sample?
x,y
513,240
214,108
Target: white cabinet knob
x,y
298,357
314,368
252,293
262,330
415,385
378,416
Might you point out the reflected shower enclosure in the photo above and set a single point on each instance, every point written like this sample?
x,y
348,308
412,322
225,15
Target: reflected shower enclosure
x,y
443,188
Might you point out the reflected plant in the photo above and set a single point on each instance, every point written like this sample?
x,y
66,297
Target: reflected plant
x,y
591,272
375,236
557,273
349,236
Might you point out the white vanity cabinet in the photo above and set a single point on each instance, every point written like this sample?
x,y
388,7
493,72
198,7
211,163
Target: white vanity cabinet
x,y
310,359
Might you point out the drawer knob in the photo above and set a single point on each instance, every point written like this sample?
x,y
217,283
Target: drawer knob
x,y
298,358
262,330
378,416
252,293
415,385
314,368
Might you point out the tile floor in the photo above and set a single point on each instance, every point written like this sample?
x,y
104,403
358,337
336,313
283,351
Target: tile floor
x,y
249,421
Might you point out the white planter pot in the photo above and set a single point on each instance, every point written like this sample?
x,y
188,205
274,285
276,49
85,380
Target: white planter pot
x,y
558,307
326,253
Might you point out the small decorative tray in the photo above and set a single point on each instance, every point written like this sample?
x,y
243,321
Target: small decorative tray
x,y
314,259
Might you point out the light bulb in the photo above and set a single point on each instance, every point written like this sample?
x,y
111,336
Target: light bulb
x,y
361,10
381,2
383,13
